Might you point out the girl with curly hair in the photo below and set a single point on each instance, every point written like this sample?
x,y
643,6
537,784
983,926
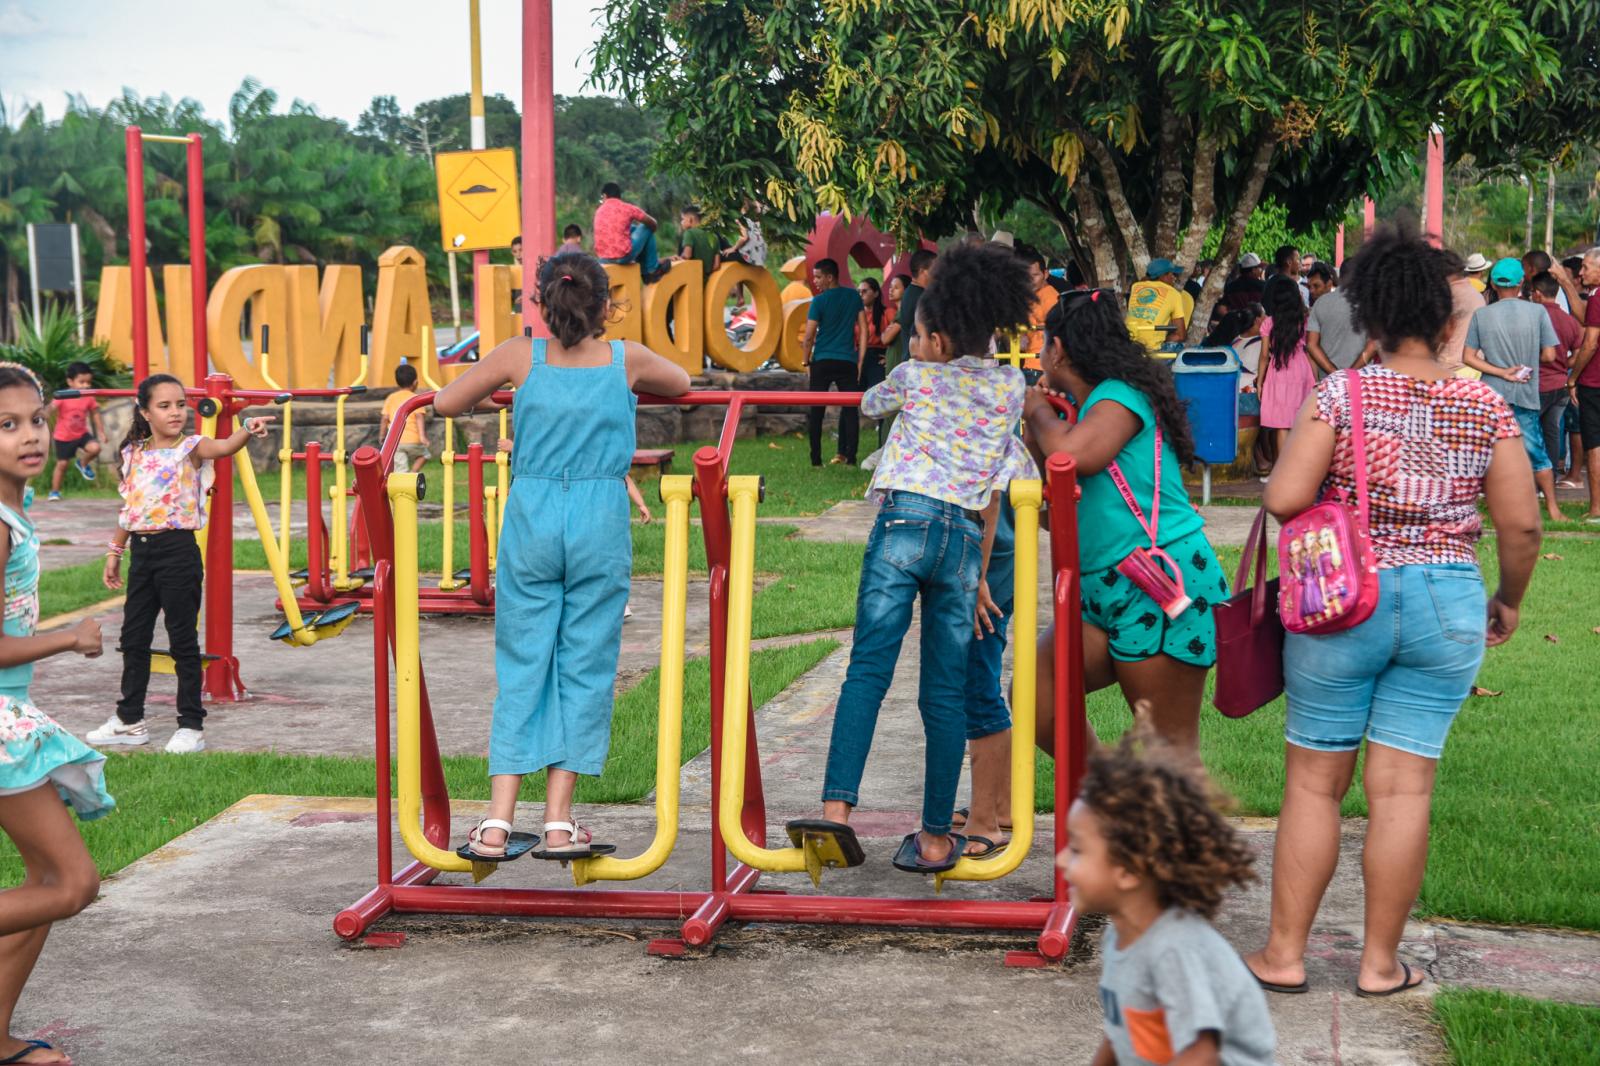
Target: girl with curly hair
x,y
1150,850
1130,424
952,450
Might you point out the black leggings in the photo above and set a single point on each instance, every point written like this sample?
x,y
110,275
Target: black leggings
x,y
826,373
165,576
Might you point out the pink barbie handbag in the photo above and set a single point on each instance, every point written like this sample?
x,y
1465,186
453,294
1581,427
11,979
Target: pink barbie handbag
x,y
1327,571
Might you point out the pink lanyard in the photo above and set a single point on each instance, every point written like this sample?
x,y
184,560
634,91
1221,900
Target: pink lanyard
x,y
1153,525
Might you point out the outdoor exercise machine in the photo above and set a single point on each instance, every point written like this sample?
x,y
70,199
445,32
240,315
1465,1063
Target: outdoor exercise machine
x,y
738,818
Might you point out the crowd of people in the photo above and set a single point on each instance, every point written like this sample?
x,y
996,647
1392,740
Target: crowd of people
x,y
1447,388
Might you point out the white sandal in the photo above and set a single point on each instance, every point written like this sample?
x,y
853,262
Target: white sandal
x,y
580,844
475,846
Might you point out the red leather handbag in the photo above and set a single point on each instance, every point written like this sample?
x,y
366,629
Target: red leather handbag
x,y
1249,634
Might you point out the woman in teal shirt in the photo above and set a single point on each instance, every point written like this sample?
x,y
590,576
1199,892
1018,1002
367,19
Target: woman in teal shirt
x,y
1125,397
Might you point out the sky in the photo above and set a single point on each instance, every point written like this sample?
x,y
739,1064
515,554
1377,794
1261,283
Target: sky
x,y
334,54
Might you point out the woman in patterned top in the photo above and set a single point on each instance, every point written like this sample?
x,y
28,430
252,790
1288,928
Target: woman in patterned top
x,y
166,477
44,770
952,450
1434,443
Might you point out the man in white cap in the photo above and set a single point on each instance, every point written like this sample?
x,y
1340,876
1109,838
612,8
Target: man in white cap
x,y
1477,265
1247,287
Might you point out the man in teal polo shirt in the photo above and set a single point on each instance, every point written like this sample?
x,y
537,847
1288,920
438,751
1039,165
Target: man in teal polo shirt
x,y
829,344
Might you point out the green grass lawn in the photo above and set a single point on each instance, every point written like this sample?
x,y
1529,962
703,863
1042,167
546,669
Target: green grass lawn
x,y
1515,807
1495,1029
69,588
160,796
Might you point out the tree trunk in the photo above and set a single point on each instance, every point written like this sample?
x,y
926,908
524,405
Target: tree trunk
x,y
1255,179
1550,210
1203,198
1170,187
1069,233
1137,252
1527,231
104,232
1092,226
13,311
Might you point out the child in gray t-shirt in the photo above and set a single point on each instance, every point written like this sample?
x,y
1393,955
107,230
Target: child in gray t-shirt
x,y
1148,848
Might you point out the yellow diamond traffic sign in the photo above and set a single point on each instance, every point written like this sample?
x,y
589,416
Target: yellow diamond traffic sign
x,y
478,204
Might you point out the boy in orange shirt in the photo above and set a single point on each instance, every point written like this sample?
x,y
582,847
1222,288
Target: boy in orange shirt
x,y
413,452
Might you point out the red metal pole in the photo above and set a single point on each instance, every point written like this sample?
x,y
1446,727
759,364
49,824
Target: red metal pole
x,y
222,675
477,526
1369,217
538,151
317,587
198,285
1433,194
136,256
382,614
1338,247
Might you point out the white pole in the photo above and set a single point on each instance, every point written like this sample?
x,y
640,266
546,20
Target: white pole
x,y
77,279
33,273
1205,486
455,296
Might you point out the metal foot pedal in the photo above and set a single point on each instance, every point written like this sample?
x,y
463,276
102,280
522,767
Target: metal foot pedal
x,y
825,844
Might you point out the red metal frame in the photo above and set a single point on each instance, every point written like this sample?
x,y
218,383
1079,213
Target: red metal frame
x,y
732,893
199,288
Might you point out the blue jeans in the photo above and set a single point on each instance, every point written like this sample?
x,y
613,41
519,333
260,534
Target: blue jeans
x,y
1532,436
918,546
987,711
1400,677
643,251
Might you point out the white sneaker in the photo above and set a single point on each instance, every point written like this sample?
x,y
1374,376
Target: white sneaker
x,y
627,610
116,731
871,461
186,742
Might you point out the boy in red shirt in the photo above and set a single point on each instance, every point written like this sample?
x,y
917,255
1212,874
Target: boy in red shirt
x,y
73,441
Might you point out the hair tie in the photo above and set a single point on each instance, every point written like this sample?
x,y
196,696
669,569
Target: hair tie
x,y
566,277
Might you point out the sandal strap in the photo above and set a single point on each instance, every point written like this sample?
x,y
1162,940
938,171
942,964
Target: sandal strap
x,y
560,827
494,823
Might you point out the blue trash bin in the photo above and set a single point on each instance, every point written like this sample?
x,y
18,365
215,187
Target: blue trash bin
x,y
1208,384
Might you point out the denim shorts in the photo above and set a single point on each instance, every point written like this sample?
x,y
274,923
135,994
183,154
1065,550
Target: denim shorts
x,y
1532,436
1399,677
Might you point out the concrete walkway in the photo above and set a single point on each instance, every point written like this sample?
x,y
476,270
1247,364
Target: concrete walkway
x,y
218,947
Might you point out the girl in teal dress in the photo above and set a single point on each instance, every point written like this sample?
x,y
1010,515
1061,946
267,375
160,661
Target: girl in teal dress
x,y
43,768
566,552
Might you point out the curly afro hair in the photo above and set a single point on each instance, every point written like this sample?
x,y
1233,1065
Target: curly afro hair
x,y
1161,820
1398,286
977,291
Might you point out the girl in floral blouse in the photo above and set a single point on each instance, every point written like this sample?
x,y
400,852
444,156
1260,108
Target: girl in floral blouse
x,y
43,768
953,448
166,477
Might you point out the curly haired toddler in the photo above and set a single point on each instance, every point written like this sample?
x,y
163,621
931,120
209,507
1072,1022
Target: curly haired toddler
x,y
1149,849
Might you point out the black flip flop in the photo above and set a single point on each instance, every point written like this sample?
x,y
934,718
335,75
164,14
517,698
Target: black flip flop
x,y
1282,990
990,847
909,856
965,814
517,845
33,1045
1405,985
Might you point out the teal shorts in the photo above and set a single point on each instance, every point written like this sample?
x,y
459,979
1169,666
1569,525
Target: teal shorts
x,y
1138,629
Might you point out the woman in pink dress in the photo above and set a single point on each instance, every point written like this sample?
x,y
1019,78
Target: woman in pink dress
x,y
1285,368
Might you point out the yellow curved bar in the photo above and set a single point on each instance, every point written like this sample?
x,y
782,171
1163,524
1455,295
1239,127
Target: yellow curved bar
x,y
676,491
491,526
429,354
447,575
303,635
1026,497
743,494
408,678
